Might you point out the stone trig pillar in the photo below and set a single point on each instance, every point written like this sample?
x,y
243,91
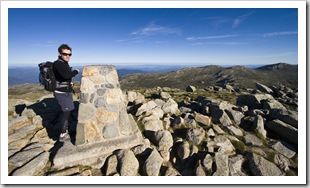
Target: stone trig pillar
x,y
102,111
103,123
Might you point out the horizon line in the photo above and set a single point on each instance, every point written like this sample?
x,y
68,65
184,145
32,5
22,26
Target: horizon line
x,y
157,64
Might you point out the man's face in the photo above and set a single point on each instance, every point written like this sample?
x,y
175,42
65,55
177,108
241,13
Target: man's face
x,y
65,54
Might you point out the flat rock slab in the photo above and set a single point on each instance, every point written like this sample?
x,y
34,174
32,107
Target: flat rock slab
x,y
94,154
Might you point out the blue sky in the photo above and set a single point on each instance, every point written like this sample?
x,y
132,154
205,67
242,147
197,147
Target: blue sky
x,y
203,36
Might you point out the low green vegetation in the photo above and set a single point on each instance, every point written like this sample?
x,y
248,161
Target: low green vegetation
x,y
239,146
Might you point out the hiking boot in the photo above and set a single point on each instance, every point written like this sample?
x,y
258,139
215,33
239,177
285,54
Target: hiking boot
x,y
64,137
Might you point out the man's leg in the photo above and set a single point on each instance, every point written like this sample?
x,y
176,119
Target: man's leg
x,y
64,119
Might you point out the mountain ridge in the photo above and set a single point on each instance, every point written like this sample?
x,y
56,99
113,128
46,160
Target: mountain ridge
x,y
212,75
200,77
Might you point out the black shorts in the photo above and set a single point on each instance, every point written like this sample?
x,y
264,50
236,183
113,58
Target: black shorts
x,y
65,100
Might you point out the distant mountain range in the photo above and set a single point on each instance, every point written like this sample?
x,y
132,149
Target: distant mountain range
x,y
23,75
148,76
27,74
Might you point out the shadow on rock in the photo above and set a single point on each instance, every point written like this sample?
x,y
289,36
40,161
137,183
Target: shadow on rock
x,y
49,110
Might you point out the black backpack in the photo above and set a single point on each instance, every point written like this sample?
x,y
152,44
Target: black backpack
x,y
47,76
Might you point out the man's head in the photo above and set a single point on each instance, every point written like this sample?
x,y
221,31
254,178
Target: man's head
x,y
65,52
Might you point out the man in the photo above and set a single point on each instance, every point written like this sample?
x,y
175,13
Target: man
x,y
63,91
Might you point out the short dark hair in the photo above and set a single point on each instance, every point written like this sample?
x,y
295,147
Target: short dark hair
x,y
64,46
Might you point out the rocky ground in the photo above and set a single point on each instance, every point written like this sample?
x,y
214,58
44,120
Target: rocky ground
x,y
216,131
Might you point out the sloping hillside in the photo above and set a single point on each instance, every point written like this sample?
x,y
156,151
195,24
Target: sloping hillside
x,y
201,77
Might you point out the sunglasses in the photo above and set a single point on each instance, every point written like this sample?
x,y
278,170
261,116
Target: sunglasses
x,y
65,54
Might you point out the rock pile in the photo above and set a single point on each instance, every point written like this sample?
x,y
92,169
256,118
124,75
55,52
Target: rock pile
x,y
29,142
201,136
257,136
